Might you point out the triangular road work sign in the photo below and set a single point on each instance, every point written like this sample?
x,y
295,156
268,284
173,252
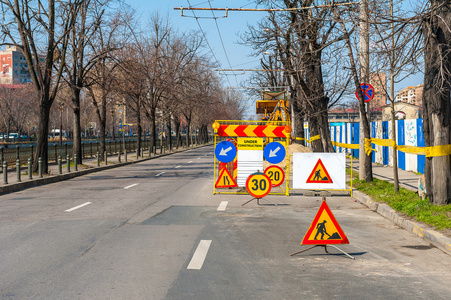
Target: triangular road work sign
x,y
225,180
324,229
319,174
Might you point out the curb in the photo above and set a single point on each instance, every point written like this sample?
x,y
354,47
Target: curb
x,y
15,187
437,239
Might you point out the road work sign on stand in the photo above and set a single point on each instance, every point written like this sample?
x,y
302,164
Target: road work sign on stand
x,y
324,229
319,171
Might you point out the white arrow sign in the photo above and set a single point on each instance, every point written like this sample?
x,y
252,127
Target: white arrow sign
x,y
224,151
274,153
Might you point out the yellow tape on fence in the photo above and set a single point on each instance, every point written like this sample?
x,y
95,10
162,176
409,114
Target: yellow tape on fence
x,y
412,149
342,145
441,150
313,138
383,142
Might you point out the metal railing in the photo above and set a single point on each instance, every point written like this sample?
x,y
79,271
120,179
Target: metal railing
x,y
90,149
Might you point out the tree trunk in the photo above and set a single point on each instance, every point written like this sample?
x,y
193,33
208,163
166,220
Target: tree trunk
x,y
140,131
437,102
153,129
42,137
169,136
76,147
177,132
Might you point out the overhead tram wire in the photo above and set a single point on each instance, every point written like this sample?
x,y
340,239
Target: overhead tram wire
x,y
206,40
264,9
222,42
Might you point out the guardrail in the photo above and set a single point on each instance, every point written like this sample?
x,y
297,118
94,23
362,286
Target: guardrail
x,y
89,150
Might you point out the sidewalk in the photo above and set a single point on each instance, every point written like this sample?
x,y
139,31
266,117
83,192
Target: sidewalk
x,y
407,180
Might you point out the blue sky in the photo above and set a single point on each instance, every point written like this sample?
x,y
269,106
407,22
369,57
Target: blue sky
x,y
231,55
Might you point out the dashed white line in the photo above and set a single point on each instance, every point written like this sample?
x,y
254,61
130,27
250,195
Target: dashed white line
x,y
223,205
190,161
199,255
127,187
198,158
159,174
177,167
77,207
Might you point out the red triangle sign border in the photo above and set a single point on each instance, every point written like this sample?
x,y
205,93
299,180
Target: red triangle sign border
x,y
324,207
319,162
221,174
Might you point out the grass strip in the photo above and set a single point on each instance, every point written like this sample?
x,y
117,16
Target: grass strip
x,y
406,202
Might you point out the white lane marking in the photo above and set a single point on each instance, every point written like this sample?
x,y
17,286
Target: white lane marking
x,y
77,207
199,255
190,161
159,174
223,205
177,167
127,187
198,158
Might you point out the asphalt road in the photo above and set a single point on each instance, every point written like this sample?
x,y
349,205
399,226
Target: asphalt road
x,y
154,230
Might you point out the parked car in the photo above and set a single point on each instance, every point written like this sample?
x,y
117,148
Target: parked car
x,y
13,136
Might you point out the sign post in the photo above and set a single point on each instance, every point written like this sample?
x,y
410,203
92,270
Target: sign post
x,y
258,185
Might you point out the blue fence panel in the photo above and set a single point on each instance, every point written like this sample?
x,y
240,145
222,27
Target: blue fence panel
x,y
420,143
355,138
385,149
401,141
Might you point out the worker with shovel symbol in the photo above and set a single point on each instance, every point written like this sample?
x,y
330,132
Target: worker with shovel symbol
x,y
321,228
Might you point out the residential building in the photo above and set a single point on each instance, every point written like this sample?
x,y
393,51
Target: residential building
x,y
379,83
13,67
411,94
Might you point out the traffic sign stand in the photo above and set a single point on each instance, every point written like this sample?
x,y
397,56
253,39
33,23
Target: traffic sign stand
x,y
258,201
338,237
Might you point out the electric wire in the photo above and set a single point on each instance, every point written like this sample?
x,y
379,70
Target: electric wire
x,y
222,43
206,40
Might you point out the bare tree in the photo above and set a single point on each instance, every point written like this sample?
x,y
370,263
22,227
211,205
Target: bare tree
x,y
40,30
301,39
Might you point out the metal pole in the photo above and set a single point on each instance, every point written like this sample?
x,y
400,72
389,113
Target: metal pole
x,y
75,162
68,163
5,172
40,167
106,158
60,165
98,159
18,170
30,173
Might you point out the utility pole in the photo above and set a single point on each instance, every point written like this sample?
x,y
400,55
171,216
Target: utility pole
x,y
364,61
392,101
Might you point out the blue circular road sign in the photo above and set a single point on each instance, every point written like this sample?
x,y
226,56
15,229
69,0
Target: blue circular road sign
x,y
225,151
274,152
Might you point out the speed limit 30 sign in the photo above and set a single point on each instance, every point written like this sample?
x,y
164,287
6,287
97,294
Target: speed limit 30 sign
x,y
258,185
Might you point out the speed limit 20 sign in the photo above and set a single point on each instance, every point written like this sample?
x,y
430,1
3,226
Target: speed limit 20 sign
x,y
275,174
258,185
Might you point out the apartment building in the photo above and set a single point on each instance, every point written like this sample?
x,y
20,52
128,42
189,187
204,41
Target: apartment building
x,y
411,94
13,67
